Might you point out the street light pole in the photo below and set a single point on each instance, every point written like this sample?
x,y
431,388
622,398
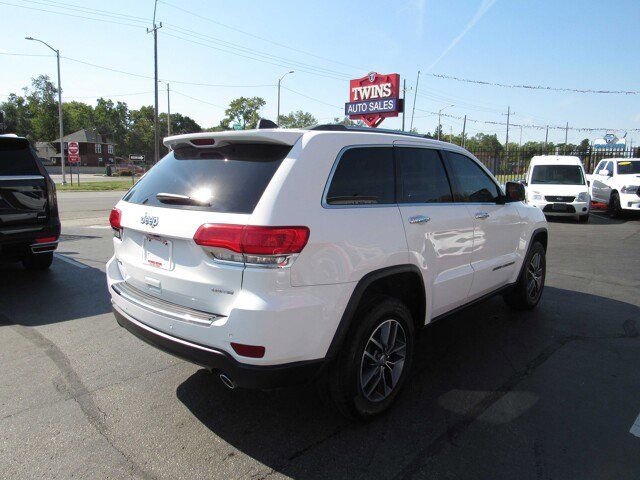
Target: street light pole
x,y
279,82
62,158
168,112
440,117
156,145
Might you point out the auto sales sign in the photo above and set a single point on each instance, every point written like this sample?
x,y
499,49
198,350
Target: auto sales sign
x,y
373,98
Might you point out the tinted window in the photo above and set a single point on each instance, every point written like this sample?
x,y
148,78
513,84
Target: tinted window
x,y
609,167
627,167
600,167
364,176
422,178
557,175
231,178
470,182
16,157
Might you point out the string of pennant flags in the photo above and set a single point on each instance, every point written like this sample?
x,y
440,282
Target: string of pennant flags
x,y
538,127
535,87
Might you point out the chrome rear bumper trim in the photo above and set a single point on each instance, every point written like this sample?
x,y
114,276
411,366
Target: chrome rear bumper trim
x,y
162,307
44,247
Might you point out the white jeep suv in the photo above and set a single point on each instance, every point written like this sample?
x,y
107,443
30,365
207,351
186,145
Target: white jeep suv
x,y
278,256
616,183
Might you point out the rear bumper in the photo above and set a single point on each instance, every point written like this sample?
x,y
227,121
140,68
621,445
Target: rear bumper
x,y
18,242
243,375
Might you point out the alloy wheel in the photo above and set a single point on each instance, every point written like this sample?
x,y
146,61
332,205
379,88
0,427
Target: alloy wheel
x,y
534,276
383,360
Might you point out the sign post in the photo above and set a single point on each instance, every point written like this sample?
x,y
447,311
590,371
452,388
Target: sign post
x,y
373,98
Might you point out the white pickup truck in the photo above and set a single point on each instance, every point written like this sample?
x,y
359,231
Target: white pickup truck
x,y
616,183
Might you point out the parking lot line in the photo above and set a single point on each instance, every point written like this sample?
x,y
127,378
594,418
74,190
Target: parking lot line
x,y
70,261
635,428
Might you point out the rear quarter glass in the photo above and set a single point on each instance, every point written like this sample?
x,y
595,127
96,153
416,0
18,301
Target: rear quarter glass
x,y
230,178
17,158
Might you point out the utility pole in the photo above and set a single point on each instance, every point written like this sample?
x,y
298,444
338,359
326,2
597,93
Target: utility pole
x,y
520,143
168,112
546,139
506,144
566,136
450,133
62,157
464,129
156,144
415,94
404,97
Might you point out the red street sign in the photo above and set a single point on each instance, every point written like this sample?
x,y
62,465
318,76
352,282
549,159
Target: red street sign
x,y
73,149
73,158
373,98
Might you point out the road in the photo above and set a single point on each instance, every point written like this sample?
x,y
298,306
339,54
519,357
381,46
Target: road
x,y
547,394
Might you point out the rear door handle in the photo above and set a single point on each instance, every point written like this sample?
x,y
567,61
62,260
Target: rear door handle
x,y
418,219
482,215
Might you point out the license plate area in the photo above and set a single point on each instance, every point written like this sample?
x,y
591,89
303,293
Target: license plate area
x,y
158,252
559,207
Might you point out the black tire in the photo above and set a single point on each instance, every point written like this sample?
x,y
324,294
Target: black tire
x,y
38,261
521,297
583,218
349,370
615,209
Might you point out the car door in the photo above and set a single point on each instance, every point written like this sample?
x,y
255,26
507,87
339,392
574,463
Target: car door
x,y
498,227
607,182
596,182
439,232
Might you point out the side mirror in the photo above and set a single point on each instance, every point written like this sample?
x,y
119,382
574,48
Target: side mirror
x,y
605,173
588,183
514,192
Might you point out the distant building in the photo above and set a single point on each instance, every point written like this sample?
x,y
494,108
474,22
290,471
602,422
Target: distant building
x,y
95,150
46,152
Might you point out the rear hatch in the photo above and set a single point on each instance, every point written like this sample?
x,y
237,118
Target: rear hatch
x,y
23,188
194,185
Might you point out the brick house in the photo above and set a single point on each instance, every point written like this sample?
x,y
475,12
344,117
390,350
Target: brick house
x,y
95,150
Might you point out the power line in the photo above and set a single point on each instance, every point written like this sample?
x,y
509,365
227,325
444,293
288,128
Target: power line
x,y
312,98
244,32
538,127
535,87
290,65
250,51
198,99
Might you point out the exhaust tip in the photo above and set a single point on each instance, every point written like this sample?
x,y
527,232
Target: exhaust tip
x,y
227,381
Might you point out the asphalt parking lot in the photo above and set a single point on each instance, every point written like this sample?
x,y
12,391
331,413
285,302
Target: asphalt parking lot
x,y
547,394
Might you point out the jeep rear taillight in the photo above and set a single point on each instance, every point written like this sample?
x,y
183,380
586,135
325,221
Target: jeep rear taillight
x,y
266,246
115,217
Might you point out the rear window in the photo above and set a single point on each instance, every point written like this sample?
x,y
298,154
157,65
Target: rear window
x,y
627,167
557,175
16,158
231,178
364,176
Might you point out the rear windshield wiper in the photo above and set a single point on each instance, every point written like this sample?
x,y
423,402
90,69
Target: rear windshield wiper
x,y
175,199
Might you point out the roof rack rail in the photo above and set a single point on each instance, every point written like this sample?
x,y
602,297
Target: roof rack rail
x,y
338,127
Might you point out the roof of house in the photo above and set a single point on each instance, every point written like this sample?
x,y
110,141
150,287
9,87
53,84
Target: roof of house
x,y
86,136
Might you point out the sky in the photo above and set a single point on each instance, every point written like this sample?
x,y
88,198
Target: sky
x,y
213,51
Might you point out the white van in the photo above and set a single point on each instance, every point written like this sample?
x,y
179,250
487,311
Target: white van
x,y
557,185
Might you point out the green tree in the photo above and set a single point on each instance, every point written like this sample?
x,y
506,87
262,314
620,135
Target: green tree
x,y
112,120
77,115
139,137
244,111
348,122
180,124
16,116
297,119
42,106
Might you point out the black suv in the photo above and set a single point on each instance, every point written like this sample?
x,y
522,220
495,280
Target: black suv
x,y
29,220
